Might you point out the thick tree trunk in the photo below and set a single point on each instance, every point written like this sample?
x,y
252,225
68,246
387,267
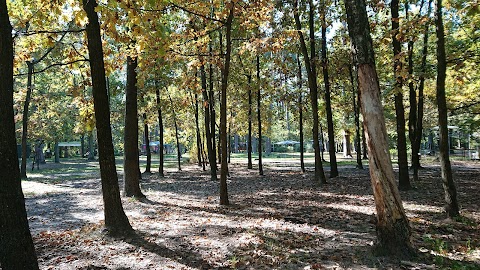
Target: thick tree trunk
x,y
259,118
451,203
403,178
146,134
131,166
116,222
300,113
328,106
56,150
160,126
393,230
223,108
312,84
356,112
250,119
16,245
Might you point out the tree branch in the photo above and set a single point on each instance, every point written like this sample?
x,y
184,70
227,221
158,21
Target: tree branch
x,y
53,65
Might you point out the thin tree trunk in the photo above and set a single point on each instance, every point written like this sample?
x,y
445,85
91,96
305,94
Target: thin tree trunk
x,y
148,169
116,222
131,166
403,178
56,149
179,154
160,126
82,145
356,111
451,203
23,166
328,106
393,229
223,108
209,136
250,119
197,130
300,112
91,148
259,118
16,245
312,83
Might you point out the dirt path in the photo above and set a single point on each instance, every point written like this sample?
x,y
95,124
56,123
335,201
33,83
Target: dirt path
x,y
280,221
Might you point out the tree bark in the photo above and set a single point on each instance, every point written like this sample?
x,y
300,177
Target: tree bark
x,y
259,118
16,245
160,126
91,148
393,230
328,105
209,136
451,203
312,84
197,131
223,107
403,178
116,222
131,166
179,154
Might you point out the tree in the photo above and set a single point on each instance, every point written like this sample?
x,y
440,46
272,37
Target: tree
x,y
451,203
403,179
259,118
393,229
130,162
16,245
328,104
312,84
116,222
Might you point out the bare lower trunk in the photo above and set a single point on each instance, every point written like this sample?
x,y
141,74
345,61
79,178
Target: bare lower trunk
x,y
259,119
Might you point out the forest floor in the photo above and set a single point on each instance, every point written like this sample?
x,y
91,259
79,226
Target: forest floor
x,y
282,220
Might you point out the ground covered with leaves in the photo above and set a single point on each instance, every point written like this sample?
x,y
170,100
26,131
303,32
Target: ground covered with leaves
x,y
282,220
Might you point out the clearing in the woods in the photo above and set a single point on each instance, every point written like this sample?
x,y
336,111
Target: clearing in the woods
x,y
282,220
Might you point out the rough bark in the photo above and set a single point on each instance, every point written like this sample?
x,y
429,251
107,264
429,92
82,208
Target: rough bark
x,y
259,118
116,222
451,203
328,104
131,166
16,245
312,84
403,178
223,108
393,230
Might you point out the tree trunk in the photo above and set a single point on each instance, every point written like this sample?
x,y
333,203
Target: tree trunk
x,y
23,166
197,130
148,169
259,118
209,136
179,153
356,112
131,166
82,145
17,250
223,108
312,84
160,126
300,112
116,222
403,178
250,117
328,106
91,148
393,230
56,150
451,205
